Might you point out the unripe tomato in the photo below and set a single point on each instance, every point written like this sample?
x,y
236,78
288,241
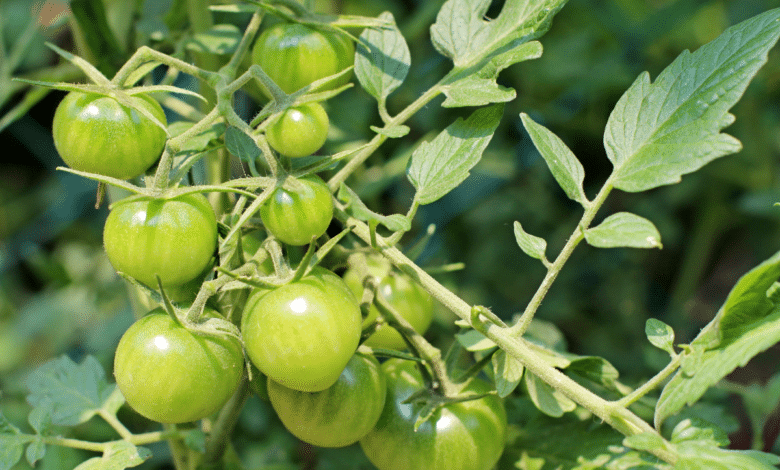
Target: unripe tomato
x,y
172,238
300,213
467,435
96,133
169,374
339,415
407,297
302,334
299,131
295,55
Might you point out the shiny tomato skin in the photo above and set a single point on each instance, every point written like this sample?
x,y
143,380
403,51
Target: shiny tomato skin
x,y
172,238
302,334
408,298
339,415
172,375
300,213
97,134
295,55
459,436
299,131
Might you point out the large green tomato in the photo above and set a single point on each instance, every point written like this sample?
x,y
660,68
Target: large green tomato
x,y
468,435
169,374
302,334
402,293
299,213
96,133
295,55
339,415
299,131
172,238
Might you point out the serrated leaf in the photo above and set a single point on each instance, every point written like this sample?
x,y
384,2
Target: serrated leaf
x,y
35,452
241,145
624,230
519,51
382,60
547,399
11,444
462,34
394,132
75,392
661,131
476,91
660,335
691,429
221,39
439,166
474,341
695,455
747,324
533,246
355,207
507,372
118,456
564,165
40,417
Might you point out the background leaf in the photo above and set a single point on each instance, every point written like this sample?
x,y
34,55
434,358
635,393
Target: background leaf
x,y
439,166
661,131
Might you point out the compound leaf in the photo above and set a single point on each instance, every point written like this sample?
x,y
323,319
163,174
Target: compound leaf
x,y
661,131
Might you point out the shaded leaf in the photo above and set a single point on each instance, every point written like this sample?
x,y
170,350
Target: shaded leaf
x,y
439,166
624,230
11,444
241,145
355,207
547,399
474,341
221,39
507,373
661,131
383,59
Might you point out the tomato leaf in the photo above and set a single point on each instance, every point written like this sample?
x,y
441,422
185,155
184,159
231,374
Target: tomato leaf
x,y
382,60
531,245
563,164
661,131
548,400
462,34
747,324
476,91
394,132
241,145
221,39
357,209
35,451
660,335
624,230
439,166
474,341
75,392
118,456
508,373
12,443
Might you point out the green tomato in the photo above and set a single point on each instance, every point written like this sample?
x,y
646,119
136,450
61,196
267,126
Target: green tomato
x,y
469,435
300,213
299,131
339,415
96,133
406,296
295,55
169,374
302,334
172,238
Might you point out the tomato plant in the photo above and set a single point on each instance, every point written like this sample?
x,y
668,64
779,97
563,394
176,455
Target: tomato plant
x,y
96,133
302,334
294,55
298,212
144,238
339,415
402,293
467,435
299,131
170,374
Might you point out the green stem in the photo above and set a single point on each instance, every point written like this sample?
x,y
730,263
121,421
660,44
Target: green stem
x,y
179,451
555,268
223,426
651,384
620,418
116,424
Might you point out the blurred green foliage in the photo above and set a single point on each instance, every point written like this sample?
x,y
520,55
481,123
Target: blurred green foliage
x,y
58,293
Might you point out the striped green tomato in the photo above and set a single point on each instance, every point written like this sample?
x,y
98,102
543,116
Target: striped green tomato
x,y
298,212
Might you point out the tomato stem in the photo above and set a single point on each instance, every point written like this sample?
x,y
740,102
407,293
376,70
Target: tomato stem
x,y
219,438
